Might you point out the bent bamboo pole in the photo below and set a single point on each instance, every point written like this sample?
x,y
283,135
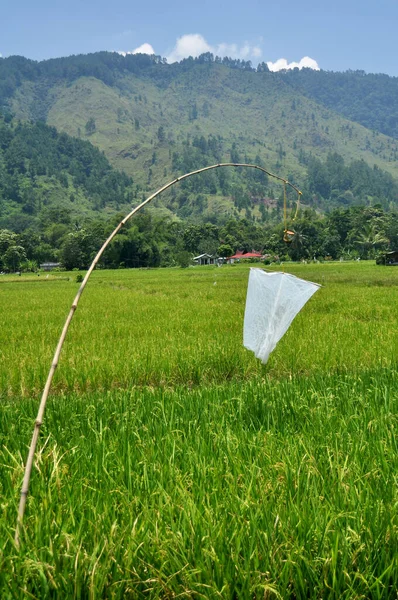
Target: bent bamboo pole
x,y
42,406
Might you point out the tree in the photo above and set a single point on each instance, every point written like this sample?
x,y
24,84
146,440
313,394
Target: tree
x,y
90,126
225,250
183,259
161,134
78,249
193,112
72,255
7,239
235,157
263,68
297,249
13,258
369,239
331,245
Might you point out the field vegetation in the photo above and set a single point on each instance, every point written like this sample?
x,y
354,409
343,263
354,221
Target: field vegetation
x,y
173,464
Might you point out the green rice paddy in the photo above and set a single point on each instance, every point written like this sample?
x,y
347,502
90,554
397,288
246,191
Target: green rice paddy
x,y
171,463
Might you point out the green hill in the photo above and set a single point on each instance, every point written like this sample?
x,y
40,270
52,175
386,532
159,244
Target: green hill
x,y
154,121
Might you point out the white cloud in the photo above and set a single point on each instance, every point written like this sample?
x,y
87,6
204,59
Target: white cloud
x,y
305,63
194,44
143,49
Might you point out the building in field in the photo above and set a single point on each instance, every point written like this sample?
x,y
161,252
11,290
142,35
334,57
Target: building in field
x,y
49,266
388,258
205,259
243,255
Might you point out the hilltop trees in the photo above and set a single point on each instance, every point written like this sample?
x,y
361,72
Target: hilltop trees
x,y
181,117
369,99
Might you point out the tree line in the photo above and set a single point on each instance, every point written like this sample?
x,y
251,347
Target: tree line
x,y
149,240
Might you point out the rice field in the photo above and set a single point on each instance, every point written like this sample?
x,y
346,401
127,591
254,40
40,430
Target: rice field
x,y
172,463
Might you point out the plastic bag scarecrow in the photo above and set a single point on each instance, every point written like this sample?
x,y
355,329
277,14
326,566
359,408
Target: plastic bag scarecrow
x,y
272,302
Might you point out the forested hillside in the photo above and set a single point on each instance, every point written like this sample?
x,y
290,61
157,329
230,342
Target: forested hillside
x,y
369,99
46,176
59,194
155,121
59,197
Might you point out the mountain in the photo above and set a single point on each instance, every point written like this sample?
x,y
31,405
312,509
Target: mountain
x,y
154,121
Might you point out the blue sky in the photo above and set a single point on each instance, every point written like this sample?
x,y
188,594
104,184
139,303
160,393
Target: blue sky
x,y
336,35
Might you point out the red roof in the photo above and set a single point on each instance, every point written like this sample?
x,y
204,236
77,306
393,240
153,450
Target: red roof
x,y
246,255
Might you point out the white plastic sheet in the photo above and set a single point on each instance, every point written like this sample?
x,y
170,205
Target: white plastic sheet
x,y
272,302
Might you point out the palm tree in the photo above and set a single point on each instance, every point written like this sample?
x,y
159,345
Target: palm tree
x,y
297,245
370,239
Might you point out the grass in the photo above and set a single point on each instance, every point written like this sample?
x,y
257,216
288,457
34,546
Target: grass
x,y
173,464
184,327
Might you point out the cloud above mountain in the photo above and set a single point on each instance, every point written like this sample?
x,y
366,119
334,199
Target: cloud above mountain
x,y
194,44
143,49
305,63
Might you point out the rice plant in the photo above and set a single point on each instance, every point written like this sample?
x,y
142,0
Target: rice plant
x,y
171,463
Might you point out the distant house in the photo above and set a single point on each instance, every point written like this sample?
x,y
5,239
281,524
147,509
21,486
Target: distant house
x,y
49,266
243,255
232,259
205,259
388,258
